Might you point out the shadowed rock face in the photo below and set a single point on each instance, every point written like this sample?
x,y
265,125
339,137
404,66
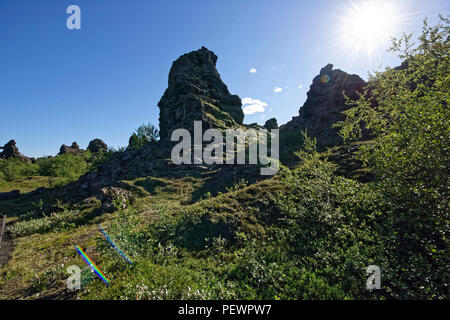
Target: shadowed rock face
x,y
73,149
11,151
325,104
196,92
271,124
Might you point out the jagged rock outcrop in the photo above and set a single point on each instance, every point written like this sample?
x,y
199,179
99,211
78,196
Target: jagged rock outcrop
x,y
73,149
10,150
271,124
325,104
196,92
97,145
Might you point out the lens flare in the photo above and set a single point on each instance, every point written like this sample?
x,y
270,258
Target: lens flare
x,y
365,27
325,79
92,265
114,245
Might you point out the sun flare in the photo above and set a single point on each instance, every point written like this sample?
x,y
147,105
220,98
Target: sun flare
x,y
368,24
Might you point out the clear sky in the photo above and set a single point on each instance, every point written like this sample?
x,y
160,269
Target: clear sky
x,y
58,85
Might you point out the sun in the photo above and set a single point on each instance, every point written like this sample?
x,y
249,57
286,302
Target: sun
x,y
367,25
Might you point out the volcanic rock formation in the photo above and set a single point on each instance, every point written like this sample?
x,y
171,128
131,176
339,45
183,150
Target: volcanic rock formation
x,y
73,149
325,104
11,151
97,145
196,92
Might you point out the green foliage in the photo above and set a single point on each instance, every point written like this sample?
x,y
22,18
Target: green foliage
x,y
123,231
407,111
68,166
317,249
13,169
56,222
146,133
101,158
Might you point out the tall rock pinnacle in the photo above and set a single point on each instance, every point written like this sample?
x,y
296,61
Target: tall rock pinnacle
x,y
325,103
196,92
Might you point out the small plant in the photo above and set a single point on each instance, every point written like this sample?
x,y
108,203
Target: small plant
x,y
207,195
240,184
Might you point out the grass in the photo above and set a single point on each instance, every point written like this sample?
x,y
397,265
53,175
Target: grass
x,y
50,240
42,256
196,240
205,207
25,185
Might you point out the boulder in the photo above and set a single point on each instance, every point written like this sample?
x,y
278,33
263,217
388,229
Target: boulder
x,y
97,145
196,92
110,195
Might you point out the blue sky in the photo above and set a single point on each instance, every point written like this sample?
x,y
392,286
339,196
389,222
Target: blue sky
x,y
103,81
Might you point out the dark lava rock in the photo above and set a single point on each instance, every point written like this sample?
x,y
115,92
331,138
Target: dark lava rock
x,y
110,195
325,104
196,92
10,150
97,145
73,149
271,124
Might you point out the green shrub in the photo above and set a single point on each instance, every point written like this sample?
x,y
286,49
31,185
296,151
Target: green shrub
x,y
145,134
67,166
14,169
407,111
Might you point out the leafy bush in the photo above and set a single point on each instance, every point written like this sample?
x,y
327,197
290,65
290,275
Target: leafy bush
x,y
146,133
67,166
13,169
407,111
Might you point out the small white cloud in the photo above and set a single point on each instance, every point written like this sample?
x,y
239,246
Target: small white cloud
x,y
300,86
252,106
277,89
252,70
